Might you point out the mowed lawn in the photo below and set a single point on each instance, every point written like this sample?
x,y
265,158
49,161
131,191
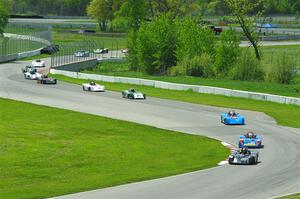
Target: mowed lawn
x,y
47,152
288,115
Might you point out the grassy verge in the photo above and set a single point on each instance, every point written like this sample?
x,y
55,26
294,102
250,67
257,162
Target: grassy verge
x,y
47,151
65,38
122,69
288,115
294,196
36,57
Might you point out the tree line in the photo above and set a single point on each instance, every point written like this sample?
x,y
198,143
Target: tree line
x,y
78,7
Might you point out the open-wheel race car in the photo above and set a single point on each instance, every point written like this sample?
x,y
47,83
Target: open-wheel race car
x,y
46,80
38,63
250,140
101,51
82,53
92,86
243,156
133,94
32,74
232,118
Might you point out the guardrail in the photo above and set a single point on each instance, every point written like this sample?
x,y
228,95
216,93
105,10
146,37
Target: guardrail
x,y
20,55
182,87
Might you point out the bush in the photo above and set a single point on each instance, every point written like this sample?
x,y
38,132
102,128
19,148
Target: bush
x,y
178,70
156,45
193,40
247,67
284,69
227,52
200,66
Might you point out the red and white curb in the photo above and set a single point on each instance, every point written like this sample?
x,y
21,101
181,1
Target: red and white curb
x,y
232,149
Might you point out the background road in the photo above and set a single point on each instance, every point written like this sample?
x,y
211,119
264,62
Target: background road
x,y
277,173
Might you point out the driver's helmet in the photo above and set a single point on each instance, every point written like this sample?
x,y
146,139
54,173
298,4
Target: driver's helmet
x,y
92,83
132,90
231,113
250,134
244,151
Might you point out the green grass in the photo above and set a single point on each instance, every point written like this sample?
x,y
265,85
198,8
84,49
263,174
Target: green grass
x,y
46,151
111,42
122,69
288,115
293,196
13,46
41,56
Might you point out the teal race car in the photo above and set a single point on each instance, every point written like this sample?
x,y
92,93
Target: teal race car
x,y
133,94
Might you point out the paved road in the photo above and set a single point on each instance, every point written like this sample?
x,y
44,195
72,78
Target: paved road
x,y
271,43
277,173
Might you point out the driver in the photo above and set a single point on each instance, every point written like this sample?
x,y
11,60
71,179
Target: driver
x,y
92,83
250,135
231,113
244,151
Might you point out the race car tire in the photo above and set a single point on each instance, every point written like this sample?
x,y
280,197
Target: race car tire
x,y
144,96
83,88
130,96
55,81
89,88
252,161
225,121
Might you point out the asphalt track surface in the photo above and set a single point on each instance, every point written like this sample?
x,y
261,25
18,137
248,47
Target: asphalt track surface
x,y
277,173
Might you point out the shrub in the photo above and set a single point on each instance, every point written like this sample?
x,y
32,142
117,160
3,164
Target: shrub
x,y
193,40
156,45
200,66
284,69
227,52
247,67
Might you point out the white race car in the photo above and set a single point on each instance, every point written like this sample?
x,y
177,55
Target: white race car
x,y
38,63
82,53
92,86
32,74
101,51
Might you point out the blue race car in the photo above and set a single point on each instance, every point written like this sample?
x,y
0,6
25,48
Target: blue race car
x,y
250,140
232,118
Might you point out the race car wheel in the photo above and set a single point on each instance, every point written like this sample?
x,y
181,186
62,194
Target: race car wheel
x,y
144,96
225,121
89,89
252,160
83,88
130,97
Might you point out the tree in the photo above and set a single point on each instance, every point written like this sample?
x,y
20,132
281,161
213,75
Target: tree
x,y
156,45
177,8
102,11
3,16
227,52
134,12
246,11
193,40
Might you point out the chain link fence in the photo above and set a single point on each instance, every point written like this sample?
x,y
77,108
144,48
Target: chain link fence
x,y
19,38
85,50
271,57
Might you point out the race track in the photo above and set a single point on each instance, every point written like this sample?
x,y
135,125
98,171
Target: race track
x,y
277,173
